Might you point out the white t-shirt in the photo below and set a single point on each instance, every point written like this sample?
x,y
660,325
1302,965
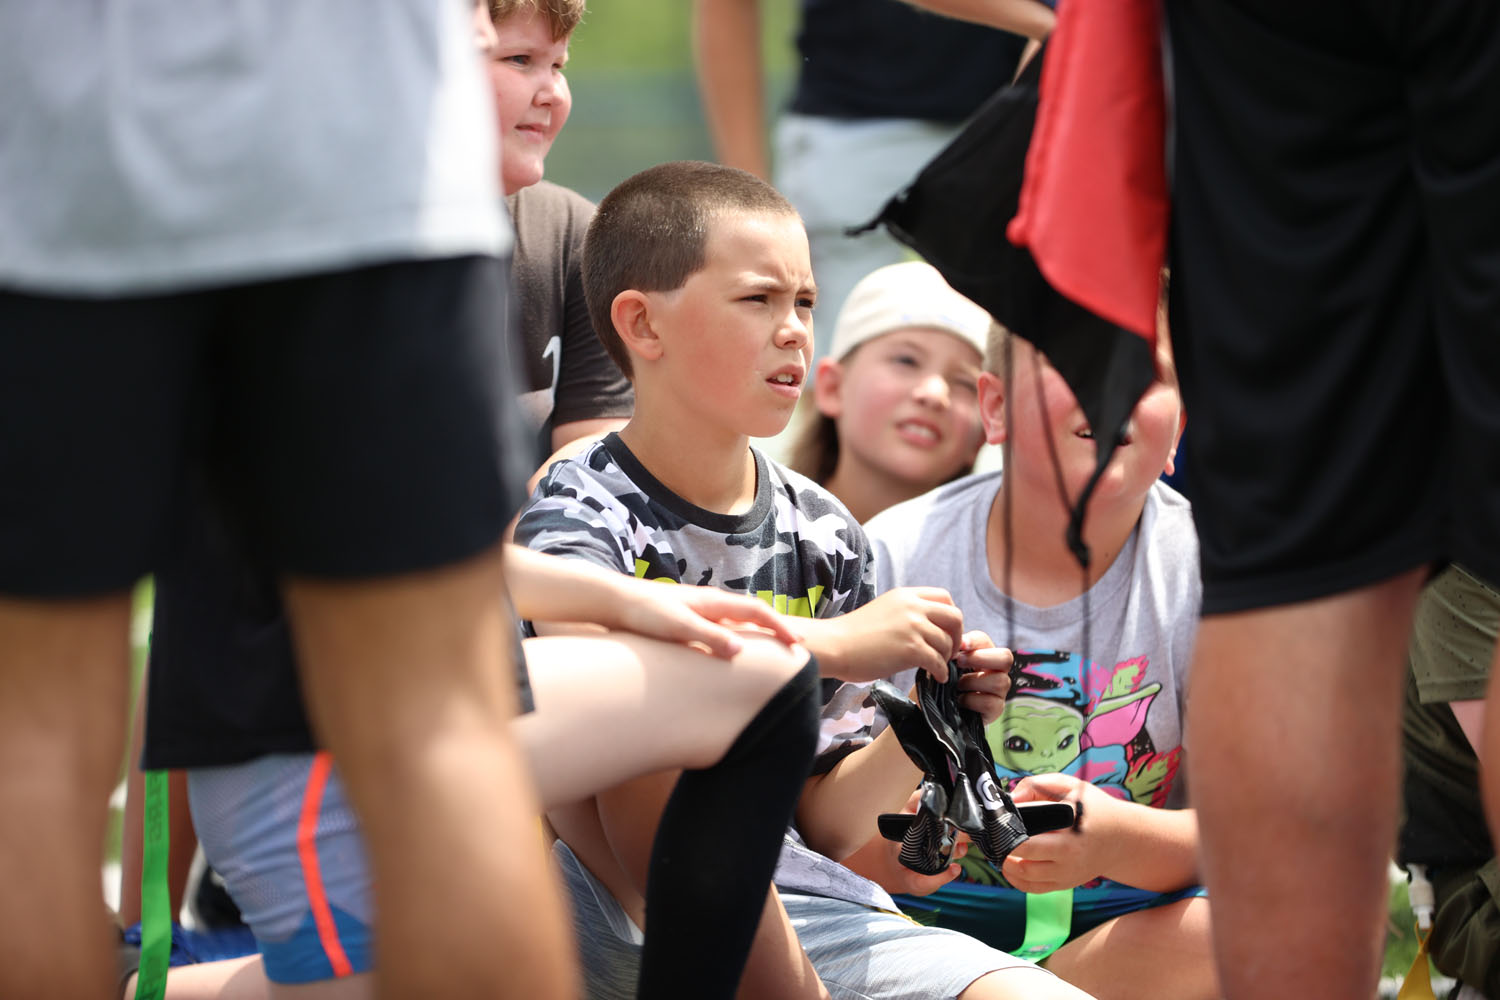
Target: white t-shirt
x,y
155,145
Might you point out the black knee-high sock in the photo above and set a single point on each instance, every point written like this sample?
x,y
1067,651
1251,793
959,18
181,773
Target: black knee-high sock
x,y
716,847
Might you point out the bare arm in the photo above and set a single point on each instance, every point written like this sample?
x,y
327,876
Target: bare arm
x,y
880,862
731,83
552,589
838,810
902,628
1020,17
836,815
1139,845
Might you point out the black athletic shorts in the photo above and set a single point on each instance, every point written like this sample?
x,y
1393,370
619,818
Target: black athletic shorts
x,y
362,420
1335,293
223,685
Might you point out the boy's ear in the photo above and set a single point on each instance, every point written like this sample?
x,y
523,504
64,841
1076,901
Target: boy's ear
x,y
992,407
630,312
828,387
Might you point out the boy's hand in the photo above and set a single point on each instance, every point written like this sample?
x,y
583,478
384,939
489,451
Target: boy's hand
x,y
985,680
880,862
701,616
902,628
1063,859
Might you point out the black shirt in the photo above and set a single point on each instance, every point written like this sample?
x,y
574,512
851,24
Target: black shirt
x,y
887,59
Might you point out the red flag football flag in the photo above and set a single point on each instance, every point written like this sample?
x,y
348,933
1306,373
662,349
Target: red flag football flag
x,y
1094,205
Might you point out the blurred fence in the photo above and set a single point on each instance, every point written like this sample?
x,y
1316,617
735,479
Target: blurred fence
x,y
626,120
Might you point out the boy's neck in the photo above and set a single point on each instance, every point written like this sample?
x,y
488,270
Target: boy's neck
x,y
865,495
715,472
1044,572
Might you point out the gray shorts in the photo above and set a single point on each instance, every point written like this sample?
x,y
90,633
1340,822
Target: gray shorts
x,y
281,833
860,953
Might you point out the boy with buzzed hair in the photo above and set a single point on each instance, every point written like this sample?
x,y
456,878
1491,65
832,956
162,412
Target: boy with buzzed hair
x,y
700,285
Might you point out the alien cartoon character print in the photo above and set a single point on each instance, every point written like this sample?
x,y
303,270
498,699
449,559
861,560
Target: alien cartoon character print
x,y
1089,723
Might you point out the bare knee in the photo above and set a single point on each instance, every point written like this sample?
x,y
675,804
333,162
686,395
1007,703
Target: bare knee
x,y
1161,953
1021,983
758,673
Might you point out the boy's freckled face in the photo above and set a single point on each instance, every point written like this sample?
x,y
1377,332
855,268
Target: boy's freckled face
x,y
1150,436
737,336
532,99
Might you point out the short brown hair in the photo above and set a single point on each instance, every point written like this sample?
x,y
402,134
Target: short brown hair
x,y
994,349
562,15
651,233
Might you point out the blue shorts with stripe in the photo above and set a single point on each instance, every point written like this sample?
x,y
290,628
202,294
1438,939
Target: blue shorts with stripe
x,y
281,833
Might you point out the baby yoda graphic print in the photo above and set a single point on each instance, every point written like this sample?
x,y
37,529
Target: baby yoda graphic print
x,y
796,548
1087,723
1113,719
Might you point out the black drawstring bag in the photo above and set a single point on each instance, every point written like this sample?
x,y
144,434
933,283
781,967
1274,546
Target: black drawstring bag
x,y
954,214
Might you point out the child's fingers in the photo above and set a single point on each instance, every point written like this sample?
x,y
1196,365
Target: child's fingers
x,y
721,642
992,658
1028,875
923,885
725,607
937,666
984,680
714,639
989,706
937,594
948,618
760,614
975,639
1051,787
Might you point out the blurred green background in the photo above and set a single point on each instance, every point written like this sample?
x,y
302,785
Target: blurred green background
x,y
635,102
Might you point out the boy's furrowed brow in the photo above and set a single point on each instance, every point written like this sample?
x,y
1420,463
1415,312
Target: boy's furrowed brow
x,y
760,282
757,281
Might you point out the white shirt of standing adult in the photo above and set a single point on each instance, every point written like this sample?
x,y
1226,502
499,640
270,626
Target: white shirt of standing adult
x,y
191,138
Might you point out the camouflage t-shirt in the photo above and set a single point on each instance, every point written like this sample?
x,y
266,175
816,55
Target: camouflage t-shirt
x,y
797,548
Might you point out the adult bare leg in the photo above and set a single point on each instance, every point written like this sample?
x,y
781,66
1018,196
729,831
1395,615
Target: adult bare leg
x,y
64,673
1294,743
410,684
